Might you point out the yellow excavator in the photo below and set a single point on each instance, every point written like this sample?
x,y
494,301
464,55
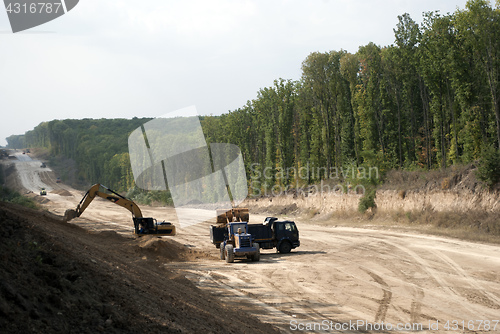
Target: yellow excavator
x,y
142,225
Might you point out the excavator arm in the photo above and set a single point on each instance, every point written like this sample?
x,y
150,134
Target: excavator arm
x,y
142,225
113,197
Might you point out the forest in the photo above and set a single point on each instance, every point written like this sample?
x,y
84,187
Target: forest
x,y
99,147
428,101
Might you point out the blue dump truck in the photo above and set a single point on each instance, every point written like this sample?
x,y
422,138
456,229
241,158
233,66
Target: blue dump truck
x,y
272,233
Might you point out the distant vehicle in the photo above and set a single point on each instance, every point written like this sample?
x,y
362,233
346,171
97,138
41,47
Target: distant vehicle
x,y
43,165
24,152
58,180
28,150
43,192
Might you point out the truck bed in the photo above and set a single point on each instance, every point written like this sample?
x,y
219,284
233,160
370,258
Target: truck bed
x,y
259,233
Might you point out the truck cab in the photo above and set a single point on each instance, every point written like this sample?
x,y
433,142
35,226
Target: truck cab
x,y
284,234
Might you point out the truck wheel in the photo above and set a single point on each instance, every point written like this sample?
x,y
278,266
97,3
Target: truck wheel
x,y
256,256
229,254
285,247
222,255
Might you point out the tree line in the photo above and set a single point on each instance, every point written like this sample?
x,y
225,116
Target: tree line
x,y
99,147
427,101
430,100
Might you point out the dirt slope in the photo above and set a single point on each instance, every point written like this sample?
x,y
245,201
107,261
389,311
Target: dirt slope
x,y
455,189
59,278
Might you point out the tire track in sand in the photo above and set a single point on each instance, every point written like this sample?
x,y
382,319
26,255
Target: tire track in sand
x,y
385,302
494,300
436,276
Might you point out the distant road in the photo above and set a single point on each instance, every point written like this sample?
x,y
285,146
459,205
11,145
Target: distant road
x,y
30,173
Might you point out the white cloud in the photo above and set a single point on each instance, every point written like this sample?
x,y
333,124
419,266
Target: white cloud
x,y
144,58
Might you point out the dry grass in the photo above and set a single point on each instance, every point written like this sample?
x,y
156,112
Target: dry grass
x,y
445,184
310,213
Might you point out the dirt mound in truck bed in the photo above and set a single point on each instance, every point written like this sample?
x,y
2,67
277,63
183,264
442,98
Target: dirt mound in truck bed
x,y
59,278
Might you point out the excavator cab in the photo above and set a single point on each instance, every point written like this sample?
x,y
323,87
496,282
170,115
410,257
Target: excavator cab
x,y
151,226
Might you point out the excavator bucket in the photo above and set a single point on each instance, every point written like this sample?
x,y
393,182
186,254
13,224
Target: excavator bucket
x,y
241,214
70,214
224,216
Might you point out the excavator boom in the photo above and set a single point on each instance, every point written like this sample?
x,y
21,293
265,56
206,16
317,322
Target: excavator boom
x,y
142,225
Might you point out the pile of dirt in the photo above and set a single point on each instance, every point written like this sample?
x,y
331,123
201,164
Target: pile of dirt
x,y
167,250
59,278
61,192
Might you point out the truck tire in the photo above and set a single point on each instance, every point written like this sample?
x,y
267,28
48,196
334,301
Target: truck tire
x,y
229,254
222,255
256,256
285,247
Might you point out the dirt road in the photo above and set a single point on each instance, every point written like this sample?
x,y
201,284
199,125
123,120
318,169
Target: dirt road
x,y
338,277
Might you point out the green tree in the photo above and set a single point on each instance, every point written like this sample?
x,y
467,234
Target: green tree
x,y
479,27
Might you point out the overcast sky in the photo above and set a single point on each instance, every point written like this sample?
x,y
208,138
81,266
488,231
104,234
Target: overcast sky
x,y
120,59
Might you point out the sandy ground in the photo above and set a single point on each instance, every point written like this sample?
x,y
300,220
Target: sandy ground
x,y
339,279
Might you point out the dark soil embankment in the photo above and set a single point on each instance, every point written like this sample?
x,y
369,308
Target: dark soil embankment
x,y
59,278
